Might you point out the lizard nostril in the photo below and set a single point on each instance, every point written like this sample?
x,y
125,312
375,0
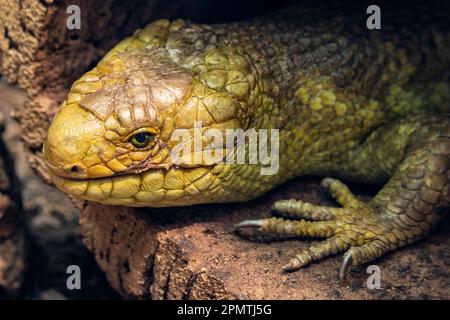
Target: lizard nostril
x,y
74,169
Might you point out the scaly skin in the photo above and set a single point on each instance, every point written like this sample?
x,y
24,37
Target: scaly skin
x,y
349,103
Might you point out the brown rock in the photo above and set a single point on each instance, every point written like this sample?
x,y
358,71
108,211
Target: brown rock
x,y
192,253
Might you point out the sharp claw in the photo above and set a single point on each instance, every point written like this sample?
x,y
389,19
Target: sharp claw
x,y
325,183
273,207
248,224
293,265
343,271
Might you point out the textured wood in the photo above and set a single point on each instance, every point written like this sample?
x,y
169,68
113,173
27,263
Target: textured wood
x,y
192,253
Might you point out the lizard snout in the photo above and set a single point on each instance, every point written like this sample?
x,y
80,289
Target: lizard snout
x,y
69,138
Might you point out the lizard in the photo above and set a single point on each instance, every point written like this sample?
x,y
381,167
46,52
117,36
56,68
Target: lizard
x,y
349,103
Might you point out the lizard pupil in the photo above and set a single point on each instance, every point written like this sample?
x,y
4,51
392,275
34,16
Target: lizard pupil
x,y
141,139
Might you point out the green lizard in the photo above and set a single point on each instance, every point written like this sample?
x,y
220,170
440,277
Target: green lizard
x,y
349,103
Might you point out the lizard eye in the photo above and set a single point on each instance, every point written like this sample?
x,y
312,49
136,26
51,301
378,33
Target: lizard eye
x,y
141,139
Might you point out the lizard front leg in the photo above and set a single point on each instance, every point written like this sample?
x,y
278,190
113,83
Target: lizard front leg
x,y
415,153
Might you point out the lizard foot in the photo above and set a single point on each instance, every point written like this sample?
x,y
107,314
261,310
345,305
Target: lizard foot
x,y
355,229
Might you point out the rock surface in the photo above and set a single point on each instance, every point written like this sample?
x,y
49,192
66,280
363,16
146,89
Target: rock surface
x,y
192,253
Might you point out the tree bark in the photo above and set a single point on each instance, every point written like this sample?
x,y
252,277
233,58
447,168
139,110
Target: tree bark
x,y
193,253
180,253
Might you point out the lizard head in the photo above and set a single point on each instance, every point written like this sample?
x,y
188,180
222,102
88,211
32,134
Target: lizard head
x,y
112,140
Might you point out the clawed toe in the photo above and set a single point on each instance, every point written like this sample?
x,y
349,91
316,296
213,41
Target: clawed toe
x,y
257,223
354,229
255,230
345,266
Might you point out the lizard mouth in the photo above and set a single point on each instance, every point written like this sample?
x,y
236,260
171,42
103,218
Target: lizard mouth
x,y
80,174
151,188
116,190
